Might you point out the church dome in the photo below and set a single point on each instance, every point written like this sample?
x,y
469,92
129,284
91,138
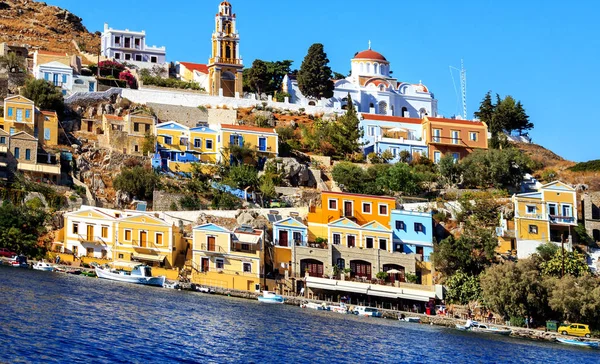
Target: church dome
x,y
370,54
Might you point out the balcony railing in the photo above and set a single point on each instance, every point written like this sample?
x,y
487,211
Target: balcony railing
x,y
250,248
91,239
212,248
556,219
296,242
448,140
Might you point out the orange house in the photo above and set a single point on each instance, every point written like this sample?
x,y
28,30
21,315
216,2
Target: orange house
x,y
456,137
361,209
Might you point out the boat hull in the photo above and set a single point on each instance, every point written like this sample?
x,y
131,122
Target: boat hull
x,y
148,281
588,344
44,269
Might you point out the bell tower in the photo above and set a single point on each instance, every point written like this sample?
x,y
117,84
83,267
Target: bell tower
x,y
225,66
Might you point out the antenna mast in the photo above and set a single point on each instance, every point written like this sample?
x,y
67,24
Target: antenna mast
x,y
463,86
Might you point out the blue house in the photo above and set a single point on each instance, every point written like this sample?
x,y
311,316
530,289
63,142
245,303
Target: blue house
x,y
413,232
290,231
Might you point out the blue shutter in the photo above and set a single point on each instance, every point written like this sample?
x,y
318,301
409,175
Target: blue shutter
x,y
231,139
17,152
47,76
10,111
46,133
241,141
64,78
27,113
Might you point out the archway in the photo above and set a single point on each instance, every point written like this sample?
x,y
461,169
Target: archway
x,y
404,111
395,277
228,84
313,267
360,268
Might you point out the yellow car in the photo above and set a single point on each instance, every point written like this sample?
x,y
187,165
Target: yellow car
x,y
575,330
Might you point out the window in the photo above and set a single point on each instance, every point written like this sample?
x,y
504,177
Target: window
x,y
455,137
168,140
27,154
127,57
118,41
153,59
75,228
136,148
418,227
366,207
552,209
159,239
236,140
247,267
209,144
436,157
147,127
27,114
332,204
219,264
246,247
400,225
197,143
12,131
47,133
566,210
127,235
105,231
138,57
341,263
137,42
64,78
183,141
120,256
455,157
383,244
19,114
596,234
531,209
369,243
17,152
371,130
533,229
136,126
2,140
436,135
337,239
473,136
117,55
383,210
9,113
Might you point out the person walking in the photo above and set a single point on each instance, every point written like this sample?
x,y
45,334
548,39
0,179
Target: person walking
x,y
526,322
531,321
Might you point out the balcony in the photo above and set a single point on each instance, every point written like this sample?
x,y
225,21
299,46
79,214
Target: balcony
x,y
291,243
96,240
212,248
39,168
437,139
245,248
564,220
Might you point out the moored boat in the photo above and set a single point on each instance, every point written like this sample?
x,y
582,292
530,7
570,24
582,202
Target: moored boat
x,y
366,311
19,261
140,274
341,308
578,342
43,266
314,306
270,297
415,320
483,328
172,285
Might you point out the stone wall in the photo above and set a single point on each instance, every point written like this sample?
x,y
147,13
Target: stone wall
x,y
591,214
186,115
376,257
222,116
162,201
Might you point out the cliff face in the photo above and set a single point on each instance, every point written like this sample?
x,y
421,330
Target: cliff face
x,y
41,26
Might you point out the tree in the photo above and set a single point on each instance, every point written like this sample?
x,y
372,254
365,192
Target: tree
x,y
401,178
267,188
137,181
349,177
12,61
577,299
242,176
574,264
338,76
21,227
495,168
449,170
506,115
465,254
463,288
347,132
258,76
266,77
149,144
314,76
44,94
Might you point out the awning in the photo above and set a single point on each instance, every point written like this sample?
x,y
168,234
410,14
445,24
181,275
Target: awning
x,y
247,238
120,263
150,257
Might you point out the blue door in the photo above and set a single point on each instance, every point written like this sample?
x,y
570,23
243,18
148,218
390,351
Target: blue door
x,y
55,79
262,144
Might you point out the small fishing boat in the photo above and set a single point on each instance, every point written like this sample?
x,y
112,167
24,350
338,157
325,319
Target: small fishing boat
x,y
482,328
270,297
416,320
141,274
202,289
314,306
172,285
341,308
19,261
43,266
578,342
88,273
366,311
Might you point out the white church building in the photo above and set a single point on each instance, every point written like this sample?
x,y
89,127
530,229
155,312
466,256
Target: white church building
x,y
372,89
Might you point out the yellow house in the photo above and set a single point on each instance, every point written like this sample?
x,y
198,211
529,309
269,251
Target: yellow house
x,y
90,232
48,123
347,233
19,115
148,239
546,215
228,259
203,141
264,140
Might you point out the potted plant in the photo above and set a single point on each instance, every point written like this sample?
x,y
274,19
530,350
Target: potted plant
x,y
347,272
381,276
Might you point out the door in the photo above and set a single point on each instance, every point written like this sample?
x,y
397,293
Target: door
x,y
348,208
205,263
361,269
90,233
552,210
212,244
143,239
262,144
420,251
75,251
351,241
297,237
283,238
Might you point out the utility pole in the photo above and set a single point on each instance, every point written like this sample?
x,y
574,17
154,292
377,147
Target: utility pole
x,y
562,243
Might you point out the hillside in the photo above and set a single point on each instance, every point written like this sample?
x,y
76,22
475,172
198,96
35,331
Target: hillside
x,y
42,26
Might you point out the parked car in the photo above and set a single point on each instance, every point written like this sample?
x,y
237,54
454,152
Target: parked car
x,y
7,253
575,330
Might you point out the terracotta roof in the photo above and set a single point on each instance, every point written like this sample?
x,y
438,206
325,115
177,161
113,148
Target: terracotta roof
x,y
113,117
50,53
254,232
398,119
370,54
195,67
48,112
455,121
358,194
248,128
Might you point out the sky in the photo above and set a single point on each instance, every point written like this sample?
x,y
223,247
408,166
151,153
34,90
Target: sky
x,y
543,52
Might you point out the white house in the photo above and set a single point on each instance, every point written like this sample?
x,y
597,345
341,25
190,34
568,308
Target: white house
x,y
58,73
130,46
373,90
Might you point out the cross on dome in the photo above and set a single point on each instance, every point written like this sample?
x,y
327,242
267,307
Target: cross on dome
x,y
369,44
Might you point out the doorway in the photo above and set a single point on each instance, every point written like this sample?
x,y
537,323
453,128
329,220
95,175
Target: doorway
x,y
143,239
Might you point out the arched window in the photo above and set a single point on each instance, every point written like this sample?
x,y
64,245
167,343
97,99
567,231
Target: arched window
x,y
376,68
381,88
404,111
382,108
228,51
362,68
422,113
392,110
368,68
371,105
312,103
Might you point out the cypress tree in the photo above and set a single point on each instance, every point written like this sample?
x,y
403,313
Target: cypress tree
x,y
314,76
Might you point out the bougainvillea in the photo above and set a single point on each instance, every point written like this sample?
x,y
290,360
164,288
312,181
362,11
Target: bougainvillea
x,y
129,78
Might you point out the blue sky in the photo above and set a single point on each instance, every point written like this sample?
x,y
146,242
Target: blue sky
x,y
544,53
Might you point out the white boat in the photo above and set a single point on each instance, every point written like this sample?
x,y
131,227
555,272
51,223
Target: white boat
x,y
314,306
141,274
366,311
578,342
415,320
172,285
270,297
477,327
341,308
18,261
43,266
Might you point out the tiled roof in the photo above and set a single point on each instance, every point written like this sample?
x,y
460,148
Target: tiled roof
x,y
248,128
48,112
113,117
195,67
358,194
370,54
398,119
455,121
50,53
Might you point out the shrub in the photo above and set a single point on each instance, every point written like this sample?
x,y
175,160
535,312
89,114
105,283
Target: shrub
x,y
589,166
190,203
137,181
280,96
129,78
170,83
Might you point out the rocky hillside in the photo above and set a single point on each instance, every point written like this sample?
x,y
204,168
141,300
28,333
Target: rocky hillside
x,y
42,26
